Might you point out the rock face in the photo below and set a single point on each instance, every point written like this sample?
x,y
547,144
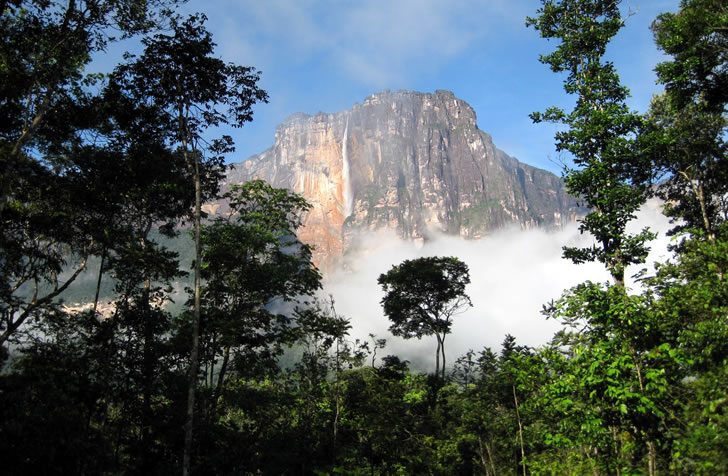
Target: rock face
x,y
412,162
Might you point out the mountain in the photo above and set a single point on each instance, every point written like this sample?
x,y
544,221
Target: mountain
x,y
412,162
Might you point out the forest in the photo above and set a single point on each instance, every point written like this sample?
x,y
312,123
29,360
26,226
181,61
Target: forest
x,y
250,370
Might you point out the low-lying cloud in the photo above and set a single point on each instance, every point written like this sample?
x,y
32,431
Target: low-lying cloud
x,y
513,274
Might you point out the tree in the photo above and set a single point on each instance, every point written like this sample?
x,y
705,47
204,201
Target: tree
x,y
697,39
620,370
609,178
613,178
123,357
496,412
252,259
422,296
689,119
690,150
46,106
326,353
689,123
47,46
179,74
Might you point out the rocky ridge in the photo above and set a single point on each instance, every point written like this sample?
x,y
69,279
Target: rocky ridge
x,y
412,162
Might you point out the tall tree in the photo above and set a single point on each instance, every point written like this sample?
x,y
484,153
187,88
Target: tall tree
x,y
44,100
607,175
143,204
126,351
689,119
47,45
252,258
178,73
688,146
690,123
422,295
697,39
612,177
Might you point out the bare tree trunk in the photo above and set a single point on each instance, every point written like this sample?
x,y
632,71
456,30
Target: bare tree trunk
x,y
652,455
221,377
195,352
589,458
35,302
148,360
617,450
442,350
481,445
98,281
700,196
28,129
337,400
337,414
520,430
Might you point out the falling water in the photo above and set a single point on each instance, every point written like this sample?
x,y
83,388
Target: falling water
x,y
348,197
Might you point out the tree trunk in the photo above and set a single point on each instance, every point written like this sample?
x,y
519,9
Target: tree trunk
x,y
700,197
148,362
337,401
652,458
221,377
194,354
35,303
520,430
481,445
442,350
98,281
617,451
28,129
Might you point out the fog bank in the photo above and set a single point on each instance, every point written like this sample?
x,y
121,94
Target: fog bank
x,y
513,274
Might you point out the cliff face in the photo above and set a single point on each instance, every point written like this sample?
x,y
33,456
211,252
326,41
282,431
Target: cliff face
x,y
412,162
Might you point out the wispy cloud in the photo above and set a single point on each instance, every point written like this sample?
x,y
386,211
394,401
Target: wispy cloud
x,y
377,43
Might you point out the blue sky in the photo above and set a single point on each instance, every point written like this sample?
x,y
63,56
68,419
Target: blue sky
x,y
327,55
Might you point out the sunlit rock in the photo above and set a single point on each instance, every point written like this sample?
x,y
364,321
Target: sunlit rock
x,y
412,162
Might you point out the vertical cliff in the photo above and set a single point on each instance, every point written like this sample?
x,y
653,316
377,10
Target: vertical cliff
x,y
412,162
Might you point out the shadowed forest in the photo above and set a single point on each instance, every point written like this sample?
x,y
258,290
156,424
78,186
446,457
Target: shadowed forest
x,y
250,370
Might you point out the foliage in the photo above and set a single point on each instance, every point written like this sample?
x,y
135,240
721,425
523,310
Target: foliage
x,y
624,359
47,209
193,92
689,148
252,264
697,39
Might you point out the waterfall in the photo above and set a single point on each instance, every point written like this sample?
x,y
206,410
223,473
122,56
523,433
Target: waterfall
x,y
345,174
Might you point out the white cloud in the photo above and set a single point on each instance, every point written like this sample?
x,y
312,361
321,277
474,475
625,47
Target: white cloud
x,y
401,40
513,274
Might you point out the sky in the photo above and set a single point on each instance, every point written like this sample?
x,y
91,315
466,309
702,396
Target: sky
x,y
327,55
